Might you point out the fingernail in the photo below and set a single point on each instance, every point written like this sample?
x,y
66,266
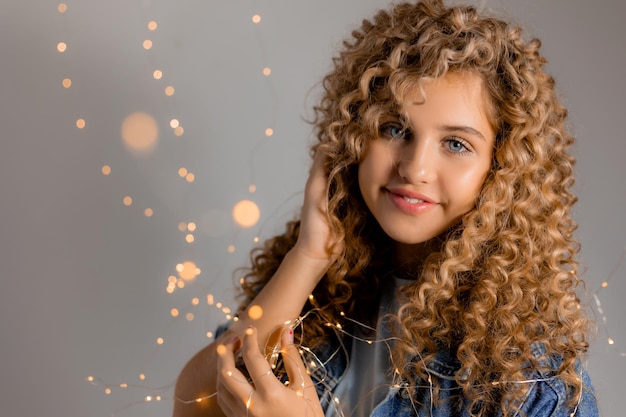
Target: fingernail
x,y
235,339
290,335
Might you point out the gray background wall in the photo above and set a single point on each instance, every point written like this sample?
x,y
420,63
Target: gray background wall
x,y
84,277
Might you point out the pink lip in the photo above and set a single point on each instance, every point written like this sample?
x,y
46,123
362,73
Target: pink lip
x,y
397,197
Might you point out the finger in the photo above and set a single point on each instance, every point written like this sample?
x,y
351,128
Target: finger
x,y
296,370
229,378
256,364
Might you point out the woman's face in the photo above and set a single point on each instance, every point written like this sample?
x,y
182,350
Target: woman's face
x,y
421,175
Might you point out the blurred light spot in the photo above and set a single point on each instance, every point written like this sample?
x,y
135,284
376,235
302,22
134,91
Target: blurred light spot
x,y
189,316
191,226
178,131
255,312
159,340
80,123
256,18
180,284
269,131
195,301
187,270
62,8
605,284
123,385
157,74
106,170
127,201
90,378
172,279
107,391
147,44
152,25
61,47
140,131
67,83
190,177
246,213
189,238
169,90
209,299
148,212
221,350
174,312
256,239
252,188
182,172
267,71
209,334
174,123
231,248
218,305
611,341
142,377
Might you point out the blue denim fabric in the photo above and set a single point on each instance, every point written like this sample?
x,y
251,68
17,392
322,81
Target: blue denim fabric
x,y
547,396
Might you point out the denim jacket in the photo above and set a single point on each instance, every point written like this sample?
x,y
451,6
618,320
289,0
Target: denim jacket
x,y
547,396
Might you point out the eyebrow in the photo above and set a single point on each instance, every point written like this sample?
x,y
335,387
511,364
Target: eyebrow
x,y
465,129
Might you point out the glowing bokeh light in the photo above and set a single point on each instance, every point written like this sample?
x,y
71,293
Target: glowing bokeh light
x,y
190,177
140,132
62,8
256,18
174,123
246,213
148,212
152,25
80,123
127,200
67,83
189,238
106,170
147,44
231,248
61,47
174,312
182,172
187,271
255,312
267,71
191,226
178,131
169,91
252,188
269,131
157,74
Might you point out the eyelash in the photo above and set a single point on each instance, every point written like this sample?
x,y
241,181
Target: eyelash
x,y
405,134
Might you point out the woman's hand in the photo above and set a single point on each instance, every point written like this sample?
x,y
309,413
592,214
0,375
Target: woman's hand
x,y
315,237
265,395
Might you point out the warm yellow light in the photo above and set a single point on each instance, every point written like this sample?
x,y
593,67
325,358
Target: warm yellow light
x,y
61,47
218,305
169,90
170,289
269,131
256,18
611,341
231,248
255,239
190,177
67,83
174,123
180,284
246,213
159,340
152,25
106,170
255,312
209,334
90,378
62,8
174,312
148,212
157,74
182,172
127,200
252,188
605,284
191,226
147,44
123,385
189,238
140,132
182,226
195,301
187,271
142,377
267,71
80,123
178,131
221,350
209,299
107,391
189,316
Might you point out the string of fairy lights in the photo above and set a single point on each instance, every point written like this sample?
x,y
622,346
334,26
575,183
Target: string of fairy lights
x,y
140,133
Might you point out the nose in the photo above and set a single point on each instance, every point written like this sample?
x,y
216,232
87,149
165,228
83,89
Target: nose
x,y
417,162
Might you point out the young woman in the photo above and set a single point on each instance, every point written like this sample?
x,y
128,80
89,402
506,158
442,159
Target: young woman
x,y
432,271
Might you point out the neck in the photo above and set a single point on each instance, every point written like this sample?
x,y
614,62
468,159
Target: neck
x,y
408,259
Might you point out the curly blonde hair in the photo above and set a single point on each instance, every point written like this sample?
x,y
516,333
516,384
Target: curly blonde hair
x,y
506,277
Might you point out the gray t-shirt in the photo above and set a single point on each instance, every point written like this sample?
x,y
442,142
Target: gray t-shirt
x,y
369,373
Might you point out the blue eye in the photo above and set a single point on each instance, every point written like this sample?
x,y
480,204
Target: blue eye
x,y
456,146
393,131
